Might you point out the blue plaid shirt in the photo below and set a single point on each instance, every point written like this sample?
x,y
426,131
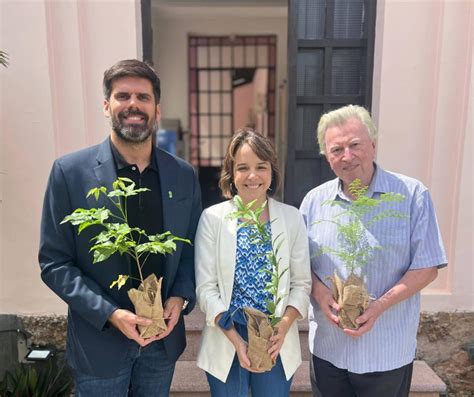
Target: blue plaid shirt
x,y
407,244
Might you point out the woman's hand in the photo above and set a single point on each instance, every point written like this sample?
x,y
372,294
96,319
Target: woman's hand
x,y
278,338
241,350
281,329
239,344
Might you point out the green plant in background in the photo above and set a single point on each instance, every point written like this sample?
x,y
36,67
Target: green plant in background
x,y
3,58
27,381
354,250
118,236
250,217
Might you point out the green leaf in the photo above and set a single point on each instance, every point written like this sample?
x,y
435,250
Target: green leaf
x,y
26,380
125,180
116,193
85,225
152,247
271,307
274,321
96,191
103,251
167,236
283,272
85,218
159,237
184,240
158,245
119,184
102,237
263,270
239,203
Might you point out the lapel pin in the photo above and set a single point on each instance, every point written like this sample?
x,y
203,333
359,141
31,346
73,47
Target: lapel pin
x,y
170,194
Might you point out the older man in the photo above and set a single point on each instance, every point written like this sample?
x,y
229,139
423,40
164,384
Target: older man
x,y
104,348
377,358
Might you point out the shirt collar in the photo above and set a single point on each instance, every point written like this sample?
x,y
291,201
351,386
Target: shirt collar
x,y
379,182
121,163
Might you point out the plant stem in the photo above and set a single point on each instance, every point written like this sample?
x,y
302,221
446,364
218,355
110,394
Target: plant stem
x,y
118,205
125,209
137,260
116,216
143,263
136,257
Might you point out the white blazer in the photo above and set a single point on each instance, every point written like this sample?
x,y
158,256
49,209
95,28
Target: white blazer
x,y
215,251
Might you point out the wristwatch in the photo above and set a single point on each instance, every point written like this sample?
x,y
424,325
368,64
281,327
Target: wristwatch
x,y
185,304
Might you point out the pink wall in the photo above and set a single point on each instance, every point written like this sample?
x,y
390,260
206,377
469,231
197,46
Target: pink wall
x,y
51,104
423,105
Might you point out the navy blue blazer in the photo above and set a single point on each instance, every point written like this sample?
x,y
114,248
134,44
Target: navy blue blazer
x,y
94,346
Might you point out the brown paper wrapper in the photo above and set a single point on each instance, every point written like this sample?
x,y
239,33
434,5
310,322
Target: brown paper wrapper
x,y
260,331
352,297
147,302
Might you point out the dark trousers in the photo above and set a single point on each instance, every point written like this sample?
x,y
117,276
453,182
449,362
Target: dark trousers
x,y
240,381
148,372
330,381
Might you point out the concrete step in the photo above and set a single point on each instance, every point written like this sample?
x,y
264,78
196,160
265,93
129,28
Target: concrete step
x,y
190,381
425,382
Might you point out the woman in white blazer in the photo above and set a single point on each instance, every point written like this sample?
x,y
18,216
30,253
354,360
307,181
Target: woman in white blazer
x,y
228,276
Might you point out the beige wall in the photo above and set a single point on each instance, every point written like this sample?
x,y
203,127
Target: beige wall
x,y
51,104
423,106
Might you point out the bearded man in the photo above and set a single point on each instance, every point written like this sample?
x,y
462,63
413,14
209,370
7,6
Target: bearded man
x,y
105,351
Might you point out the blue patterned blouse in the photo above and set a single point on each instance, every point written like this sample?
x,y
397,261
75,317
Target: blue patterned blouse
x,y
249,281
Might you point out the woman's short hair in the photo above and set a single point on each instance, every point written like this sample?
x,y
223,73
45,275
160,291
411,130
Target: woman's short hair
x,y
339,117
264,150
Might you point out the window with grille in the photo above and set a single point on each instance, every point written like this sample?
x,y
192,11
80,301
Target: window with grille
x,y
220,69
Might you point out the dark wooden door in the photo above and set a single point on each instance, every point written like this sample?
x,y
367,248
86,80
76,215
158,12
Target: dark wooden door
x,y
330,64
147,31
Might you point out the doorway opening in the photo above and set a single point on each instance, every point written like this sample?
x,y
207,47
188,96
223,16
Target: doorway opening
x,y
232,84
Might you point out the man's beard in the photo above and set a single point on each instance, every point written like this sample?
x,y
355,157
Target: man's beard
x,y
133,133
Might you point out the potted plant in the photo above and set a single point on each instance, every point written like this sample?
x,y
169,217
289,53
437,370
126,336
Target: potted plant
x,y
260,326
353,248
118,237
52,380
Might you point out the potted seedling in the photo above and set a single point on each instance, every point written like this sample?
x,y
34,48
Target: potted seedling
x,y
353,248
261,326
117,236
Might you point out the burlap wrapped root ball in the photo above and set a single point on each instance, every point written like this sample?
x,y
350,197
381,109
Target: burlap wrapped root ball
x,y
259,331
147,302
352,298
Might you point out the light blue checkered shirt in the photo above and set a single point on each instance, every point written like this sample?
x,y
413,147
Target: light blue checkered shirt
x,y
408,244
